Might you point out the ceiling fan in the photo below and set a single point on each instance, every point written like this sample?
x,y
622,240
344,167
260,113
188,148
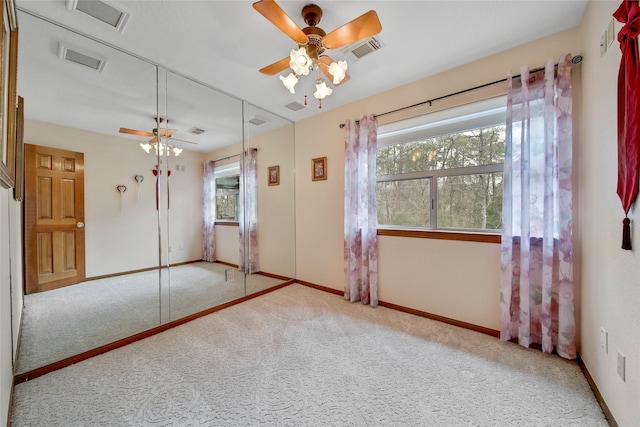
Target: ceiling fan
x,y
153,142
313,41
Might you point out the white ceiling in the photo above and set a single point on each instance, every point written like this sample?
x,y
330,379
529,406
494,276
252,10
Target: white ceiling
x,y
224,43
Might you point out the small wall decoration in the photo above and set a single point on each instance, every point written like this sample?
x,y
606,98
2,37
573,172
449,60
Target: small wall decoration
x,y
138,179
274,175
121,189
319,169
156,172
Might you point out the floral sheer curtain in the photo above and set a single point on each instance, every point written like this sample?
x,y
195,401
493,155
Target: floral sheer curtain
x,y
537,297
360,225
248,212
209,213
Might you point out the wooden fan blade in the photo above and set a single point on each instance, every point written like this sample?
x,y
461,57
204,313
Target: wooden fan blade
x,y
276,67
327,61
135,132
165,132
182,140
364,26
270,10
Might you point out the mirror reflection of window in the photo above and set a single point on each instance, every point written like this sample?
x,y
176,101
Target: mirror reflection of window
x,y
227,192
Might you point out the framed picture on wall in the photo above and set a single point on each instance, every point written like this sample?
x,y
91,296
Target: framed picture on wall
x,y
8,74
319,169
274,175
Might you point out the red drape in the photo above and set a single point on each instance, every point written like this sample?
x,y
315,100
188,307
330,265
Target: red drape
x,y
628,110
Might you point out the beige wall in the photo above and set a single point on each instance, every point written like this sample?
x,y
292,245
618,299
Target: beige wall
x,y
10,293
610,276
6,352
459,280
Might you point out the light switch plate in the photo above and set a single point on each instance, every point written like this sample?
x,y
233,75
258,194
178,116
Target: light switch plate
x,y
610,33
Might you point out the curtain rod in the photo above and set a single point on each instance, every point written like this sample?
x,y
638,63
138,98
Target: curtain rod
x,y
576,60
225,158
234,155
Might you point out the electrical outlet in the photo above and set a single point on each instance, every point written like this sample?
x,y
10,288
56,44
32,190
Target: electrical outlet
x,y
621,365
604,340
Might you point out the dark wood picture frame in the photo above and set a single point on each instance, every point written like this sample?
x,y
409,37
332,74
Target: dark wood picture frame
x,y
319,169
273,175
8,88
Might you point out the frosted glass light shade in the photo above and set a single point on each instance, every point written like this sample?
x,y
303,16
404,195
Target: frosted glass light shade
x,y
300,61
289,82
177,151
146,147
322,90
338,70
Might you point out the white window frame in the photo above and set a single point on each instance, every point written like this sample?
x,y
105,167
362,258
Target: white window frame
x,y
476,115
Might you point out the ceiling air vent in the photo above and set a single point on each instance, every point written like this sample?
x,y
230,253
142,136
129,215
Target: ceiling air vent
x,y
106,12
196,131
257,121
295,106
90,60
360,49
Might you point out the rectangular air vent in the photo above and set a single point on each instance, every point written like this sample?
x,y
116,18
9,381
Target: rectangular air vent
x,y
108,13
295,106
196,131
78,56
362,48
257,121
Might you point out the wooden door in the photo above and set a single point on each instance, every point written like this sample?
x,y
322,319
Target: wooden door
x,y
54,218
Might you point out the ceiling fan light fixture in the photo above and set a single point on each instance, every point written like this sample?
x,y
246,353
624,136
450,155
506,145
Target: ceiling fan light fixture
x,y
177,151
146,147
290,82
338,70
322,90
300,61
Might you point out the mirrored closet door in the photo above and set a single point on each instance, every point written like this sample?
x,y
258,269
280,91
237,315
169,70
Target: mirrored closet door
x,y
188,192
78,94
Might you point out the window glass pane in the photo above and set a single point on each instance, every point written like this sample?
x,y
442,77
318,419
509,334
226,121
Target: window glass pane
x,y
405,203
477,147
227,193
228,185
470,201
226,208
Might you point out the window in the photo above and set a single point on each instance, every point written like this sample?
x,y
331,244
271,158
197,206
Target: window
x,y
227,192
443,170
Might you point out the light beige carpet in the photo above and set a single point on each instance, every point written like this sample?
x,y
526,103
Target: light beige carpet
x,y
67,321
302,357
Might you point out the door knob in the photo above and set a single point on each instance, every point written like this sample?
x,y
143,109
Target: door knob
x,y
80,224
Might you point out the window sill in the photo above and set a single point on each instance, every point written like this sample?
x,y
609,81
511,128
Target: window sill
x,y
464,236
233,223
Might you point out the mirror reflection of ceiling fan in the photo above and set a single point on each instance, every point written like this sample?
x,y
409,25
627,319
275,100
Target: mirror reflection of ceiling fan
x,y
154,142
313,41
